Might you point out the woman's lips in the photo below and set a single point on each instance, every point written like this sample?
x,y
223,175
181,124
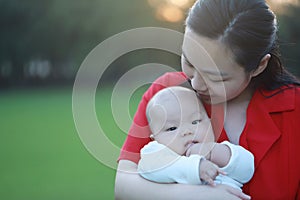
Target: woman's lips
x,y
203,95
205,98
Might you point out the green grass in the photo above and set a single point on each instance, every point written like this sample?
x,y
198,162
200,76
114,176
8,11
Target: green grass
x,y
41,154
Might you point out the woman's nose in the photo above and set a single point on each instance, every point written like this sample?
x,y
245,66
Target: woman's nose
x,y
198,83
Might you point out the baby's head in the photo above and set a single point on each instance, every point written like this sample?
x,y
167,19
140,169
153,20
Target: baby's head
x,y
178,119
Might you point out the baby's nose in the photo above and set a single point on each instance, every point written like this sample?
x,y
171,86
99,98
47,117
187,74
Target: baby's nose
x,y
187,131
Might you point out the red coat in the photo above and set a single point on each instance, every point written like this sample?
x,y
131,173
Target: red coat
x,y
271,133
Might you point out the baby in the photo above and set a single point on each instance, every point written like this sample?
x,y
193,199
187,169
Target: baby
x,y
183,148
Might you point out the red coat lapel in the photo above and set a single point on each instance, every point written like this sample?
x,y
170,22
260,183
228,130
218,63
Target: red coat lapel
x,y
261,132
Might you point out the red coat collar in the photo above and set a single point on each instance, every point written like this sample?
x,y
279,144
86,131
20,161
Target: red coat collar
x,y
279,100
261,131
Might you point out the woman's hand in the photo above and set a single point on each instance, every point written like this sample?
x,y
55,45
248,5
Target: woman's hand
x,y
230,191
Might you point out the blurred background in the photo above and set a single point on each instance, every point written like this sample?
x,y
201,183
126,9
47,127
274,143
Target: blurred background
x,y
42,45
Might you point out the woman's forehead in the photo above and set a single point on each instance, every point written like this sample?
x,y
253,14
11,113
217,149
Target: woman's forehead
x,y
209,54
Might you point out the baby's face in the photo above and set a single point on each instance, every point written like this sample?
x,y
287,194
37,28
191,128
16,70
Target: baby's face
x,y
180,121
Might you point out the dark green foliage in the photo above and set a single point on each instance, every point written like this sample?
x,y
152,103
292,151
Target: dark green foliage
x,y
63,32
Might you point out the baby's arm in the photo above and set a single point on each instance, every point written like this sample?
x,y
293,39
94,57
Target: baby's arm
x,y
241,163
217,153
160,164
220,154
234,160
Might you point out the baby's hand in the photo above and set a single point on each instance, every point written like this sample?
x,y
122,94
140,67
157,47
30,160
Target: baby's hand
x,y
202,149
209,171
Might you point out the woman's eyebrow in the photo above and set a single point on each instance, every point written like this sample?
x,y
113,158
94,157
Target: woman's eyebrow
x,y
215,73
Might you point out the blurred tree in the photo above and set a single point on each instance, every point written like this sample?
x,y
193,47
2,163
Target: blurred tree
x,y
62,31
60,34
289,37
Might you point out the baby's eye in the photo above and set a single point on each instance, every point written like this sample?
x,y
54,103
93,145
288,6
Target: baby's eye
x,y
173,128
196,121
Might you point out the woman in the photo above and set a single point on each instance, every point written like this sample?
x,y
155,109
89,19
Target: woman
x,y
230,57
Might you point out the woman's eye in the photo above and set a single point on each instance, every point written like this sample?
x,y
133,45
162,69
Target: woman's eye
x,y
172,128
189,65
219,80
196,121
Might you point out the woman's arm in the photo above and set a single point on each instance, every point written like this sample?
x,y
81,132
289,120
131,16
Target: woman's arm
x,y
129,185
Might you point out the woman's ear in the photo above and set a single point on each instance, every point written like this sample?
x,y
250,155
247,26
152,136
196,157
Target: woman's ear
x,y
262,65
152,137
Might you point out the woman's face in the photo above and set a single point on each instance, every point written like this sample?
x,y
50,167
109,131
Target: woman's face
x,y
211,68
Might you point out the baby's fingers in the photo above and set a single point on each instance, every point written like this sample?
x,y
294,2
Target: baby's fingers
x,y
211,182
221,172
208,180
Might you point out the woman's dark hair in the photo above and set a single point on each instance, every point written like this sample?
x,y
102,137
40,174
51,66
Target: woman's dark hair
x,y
249,29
